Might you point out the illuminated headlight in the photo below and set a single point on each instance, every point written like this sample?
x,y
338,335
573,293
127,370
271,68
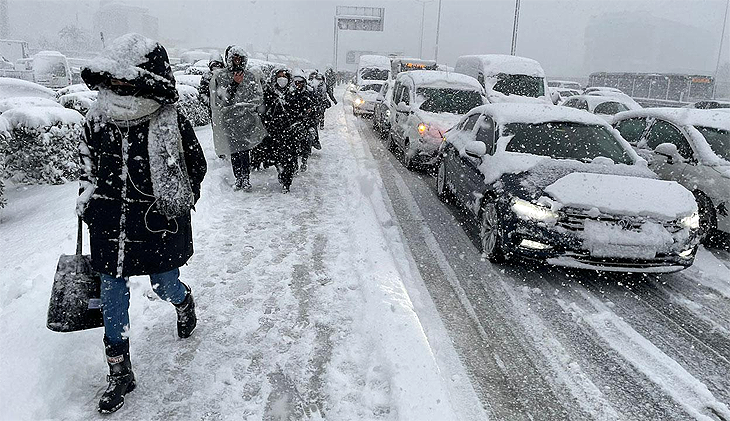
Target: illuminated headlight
x,y
359,101
686,254
535,245
691,222
422,128
527,210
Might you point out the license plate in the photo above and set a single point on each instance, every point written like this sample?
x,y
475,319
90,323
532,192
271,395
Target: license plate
x,y
622,250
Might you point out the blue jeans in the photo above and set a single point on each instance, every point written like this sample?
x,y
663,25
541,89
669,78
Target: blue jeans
x,y
115,299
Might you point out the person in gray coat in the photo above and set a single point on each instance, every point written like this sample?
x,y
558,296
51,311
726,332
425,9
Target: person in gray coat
x,y
236,99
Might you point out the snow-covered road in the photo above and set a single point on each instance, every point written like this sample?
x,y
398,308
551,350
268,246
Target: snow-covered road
x,y
301,299
544,343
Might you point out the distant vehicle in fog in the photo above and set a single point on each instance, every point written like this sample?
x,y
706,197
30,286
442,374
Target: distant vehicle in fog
x,y
506,78
658,89
559,95
714,104
365,96
564,84
603,106
616,94
51,69
372,68
405,64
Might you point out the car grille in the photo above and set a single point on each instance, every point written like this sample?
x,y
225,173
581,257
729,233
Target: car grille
x,y
574,220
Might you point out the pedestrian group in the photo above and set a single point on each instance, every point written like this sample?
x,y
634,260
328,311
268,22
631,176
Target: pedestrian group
x,y
143,168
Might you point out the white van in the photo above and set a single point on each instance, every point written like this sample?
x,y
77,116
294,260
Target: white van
x,y
507,78
372,68
51,69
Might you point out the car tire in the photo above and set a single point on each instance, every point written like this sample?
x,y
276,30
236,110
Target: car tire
x,y
490,234
442,187
708,217
391,143
407,159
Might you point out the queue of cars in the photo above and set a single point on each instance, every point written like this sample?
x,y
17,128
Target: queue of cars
x,y
597,183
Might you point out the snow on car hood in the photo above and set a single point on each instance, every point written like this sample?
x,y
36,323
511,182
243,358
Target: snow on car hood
x,y
439,121
623,195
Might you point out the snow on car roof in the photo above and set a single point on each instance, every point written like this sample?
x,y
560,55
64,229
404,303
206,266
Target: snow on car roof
x,y
501,63
33,117
10,87
374,61
438,78
683,116
595,100
49,53
506,113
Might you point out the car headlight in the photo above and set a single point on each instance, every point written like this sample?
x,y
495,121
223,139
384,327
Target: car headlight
x,y
691,222
359,101
527,210
422,128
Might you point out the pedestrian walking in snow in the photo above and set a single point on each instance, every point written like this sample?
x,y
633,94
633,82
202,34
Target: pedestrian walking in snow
x,y
302,106
143,167
321,102
216,62
330,78
236,100
279,121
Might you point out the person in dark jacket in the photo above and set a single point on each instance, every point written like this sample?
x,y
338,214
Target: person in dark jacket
x,y
330,78
143,167
278,119
321,102
302,107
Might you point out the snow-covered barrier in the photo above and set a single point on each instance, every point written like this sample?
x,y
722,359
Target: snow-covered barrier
x,y
41,144
4,134
190,106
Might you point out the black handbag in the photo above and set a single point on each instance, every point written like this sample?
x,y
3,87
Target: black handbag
x,y
76,295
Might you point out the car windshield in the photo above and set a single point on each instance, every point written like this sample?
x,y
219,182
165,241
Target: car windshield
x,y
447,100
566,140
374,74
522,85
371,87
719,141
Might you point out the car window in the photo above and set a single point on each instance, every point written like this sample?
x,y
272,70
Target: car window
x,y
665,132
396,93
581,104
569,103
447,100
631,129
485,133
610,108
471,122
719,140
406,95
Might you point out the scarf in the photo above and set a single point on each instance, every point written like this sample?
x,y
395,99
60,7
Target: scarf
x,y
123,108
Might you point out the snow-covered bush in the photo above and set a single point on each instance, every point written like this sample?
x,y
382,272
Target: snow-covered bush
x,y
190,106
42,146
79,101
4,137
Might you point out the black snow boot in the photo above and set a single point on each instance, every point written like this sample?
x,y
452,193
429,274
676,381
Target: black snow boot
x,y
186,319
120,378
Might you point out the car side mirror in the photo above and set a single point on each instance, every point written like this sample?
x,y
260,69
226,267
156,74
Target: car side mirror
x,y
476,149
402,107
669,151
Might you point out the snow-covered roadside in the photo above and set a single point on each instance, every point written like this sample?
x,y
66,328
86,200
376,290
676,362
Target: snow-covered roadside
x,y
302,308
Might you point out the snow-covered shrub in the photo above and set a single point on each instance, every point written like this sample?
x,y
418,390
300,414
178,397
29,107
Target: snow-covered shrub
x,y
4,137
190,106
42,146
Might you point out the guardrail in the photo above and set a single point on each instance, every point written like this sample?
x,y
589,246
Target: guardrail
x,y
18,74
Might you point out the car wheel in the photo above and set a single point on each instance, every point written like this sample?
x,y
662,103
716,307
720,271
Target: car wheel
x,y
407,158
391,143
490,233
708,218
442,188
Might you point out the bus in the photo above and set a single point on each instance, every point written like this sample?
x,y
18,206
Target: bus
x,y
658,88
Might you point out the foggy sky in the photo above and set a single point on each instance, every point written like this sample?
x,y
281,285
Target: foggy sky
x,y
550,31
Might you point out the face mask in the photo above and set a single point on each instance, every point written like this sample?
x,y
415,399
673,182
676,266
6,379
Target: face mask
x,y
315,82
282,81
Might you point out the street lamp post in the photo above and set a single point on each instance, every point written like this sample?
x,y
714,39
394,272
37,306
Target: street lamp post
x,y
423,20
719,53
513,50
438,31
